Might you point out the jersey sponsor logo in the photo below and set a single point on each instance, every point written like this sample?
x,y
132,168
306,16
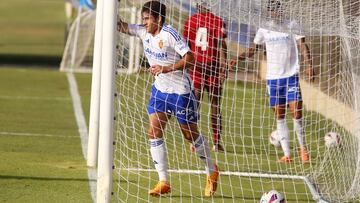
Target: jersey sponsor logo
x,y
157,55
293,89
184,112
161,44
279,39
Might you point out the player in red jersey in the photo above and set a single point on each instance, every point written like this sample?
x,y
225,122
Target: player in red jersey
x,y
205,33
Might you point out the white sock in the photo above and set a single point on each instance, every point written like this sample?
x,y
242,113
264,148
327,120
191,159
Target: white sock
x,y
159,156
203,151
283,132
298,128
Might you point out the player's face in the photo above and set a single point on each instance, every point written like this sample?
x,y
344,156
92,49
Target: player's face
x,y
151,24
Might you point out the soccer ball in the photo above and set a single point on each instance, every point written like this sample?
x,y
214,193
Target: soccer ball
x,y
274,139
332,140
272,196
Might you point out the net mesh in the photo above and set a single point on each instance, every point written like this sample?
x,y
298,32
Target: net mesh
x,y
249,166
78,52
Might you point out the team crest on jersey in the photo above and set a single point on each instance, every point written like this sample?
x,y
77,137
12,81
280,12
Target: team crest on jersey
x,y
161,44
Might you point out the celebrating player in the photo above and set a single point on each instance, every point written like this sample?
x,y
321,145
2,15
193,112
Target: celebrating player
x,y
282,77
205,34
171,92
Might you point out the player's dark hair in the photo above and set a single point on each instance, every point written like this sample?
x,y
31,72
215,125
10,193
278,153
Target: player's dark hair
x,y
156,9
273,5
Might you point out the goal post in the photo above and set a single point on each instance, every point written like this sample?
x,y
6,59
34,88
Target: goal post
x,y
133,65
106,115
95,89
249,165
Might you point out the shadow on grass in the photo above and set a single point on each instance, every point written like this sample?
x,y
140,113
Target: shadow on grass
x,y
33,60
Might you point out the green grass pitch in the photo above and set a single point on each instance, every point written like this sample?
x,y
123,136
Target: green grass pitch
x,y
39,140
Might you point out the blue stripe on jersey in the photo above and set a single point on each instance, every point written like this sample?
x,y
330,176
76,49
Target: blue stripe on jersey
x,y
172,32
156,143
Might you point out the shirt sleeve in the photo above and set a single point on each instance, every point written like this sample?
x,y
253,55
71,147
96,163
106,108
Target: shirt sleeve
x,y
181,47
137,30
178,43
259,37
295,27
297,37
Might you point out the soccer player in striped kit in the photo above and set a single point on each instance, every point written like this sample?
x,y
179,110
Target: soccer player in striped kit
x,y
282,76
172,92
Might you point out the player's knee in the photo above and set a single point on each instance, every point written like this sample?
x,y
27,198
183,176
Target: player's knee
x,y
190,135
298,115
280,116
154,133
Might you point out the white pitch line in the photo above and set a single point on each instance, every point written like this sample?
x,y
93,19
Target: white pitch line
x,y
229,173
35,98
37,135
316,196
80,120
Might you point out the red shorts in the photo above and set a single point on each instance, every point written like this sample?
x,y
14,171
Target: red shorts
x,y
206,76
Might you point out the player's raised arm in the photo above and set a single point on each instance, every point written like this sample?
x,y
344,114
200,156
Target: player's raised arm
x,y
248,53
305,52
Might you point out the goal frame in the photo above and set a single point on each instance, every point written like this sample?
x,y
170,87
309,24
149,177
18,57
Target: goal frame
x,y
100,150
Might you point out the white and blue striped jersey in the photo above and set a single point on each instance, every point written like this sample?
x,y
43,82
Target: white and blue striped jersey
x,y
166,48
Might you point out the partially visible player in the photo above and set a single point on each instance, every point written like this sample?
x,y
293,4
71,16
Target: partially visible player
x,y
282,76
205,33
169,55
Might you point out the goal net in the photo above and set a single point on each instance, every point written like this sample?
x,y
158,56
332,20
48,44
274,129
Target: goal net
x,y
79,48
249,164
78,52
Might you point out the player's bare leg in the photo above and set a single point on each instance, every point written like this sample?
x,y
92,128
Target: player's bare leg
x,y
158,152
216,120
198,95
283,132
296,110
191,133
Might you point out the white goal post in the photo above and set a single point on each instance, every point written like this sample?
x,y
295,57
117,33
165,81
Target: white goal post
x,y
248,166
